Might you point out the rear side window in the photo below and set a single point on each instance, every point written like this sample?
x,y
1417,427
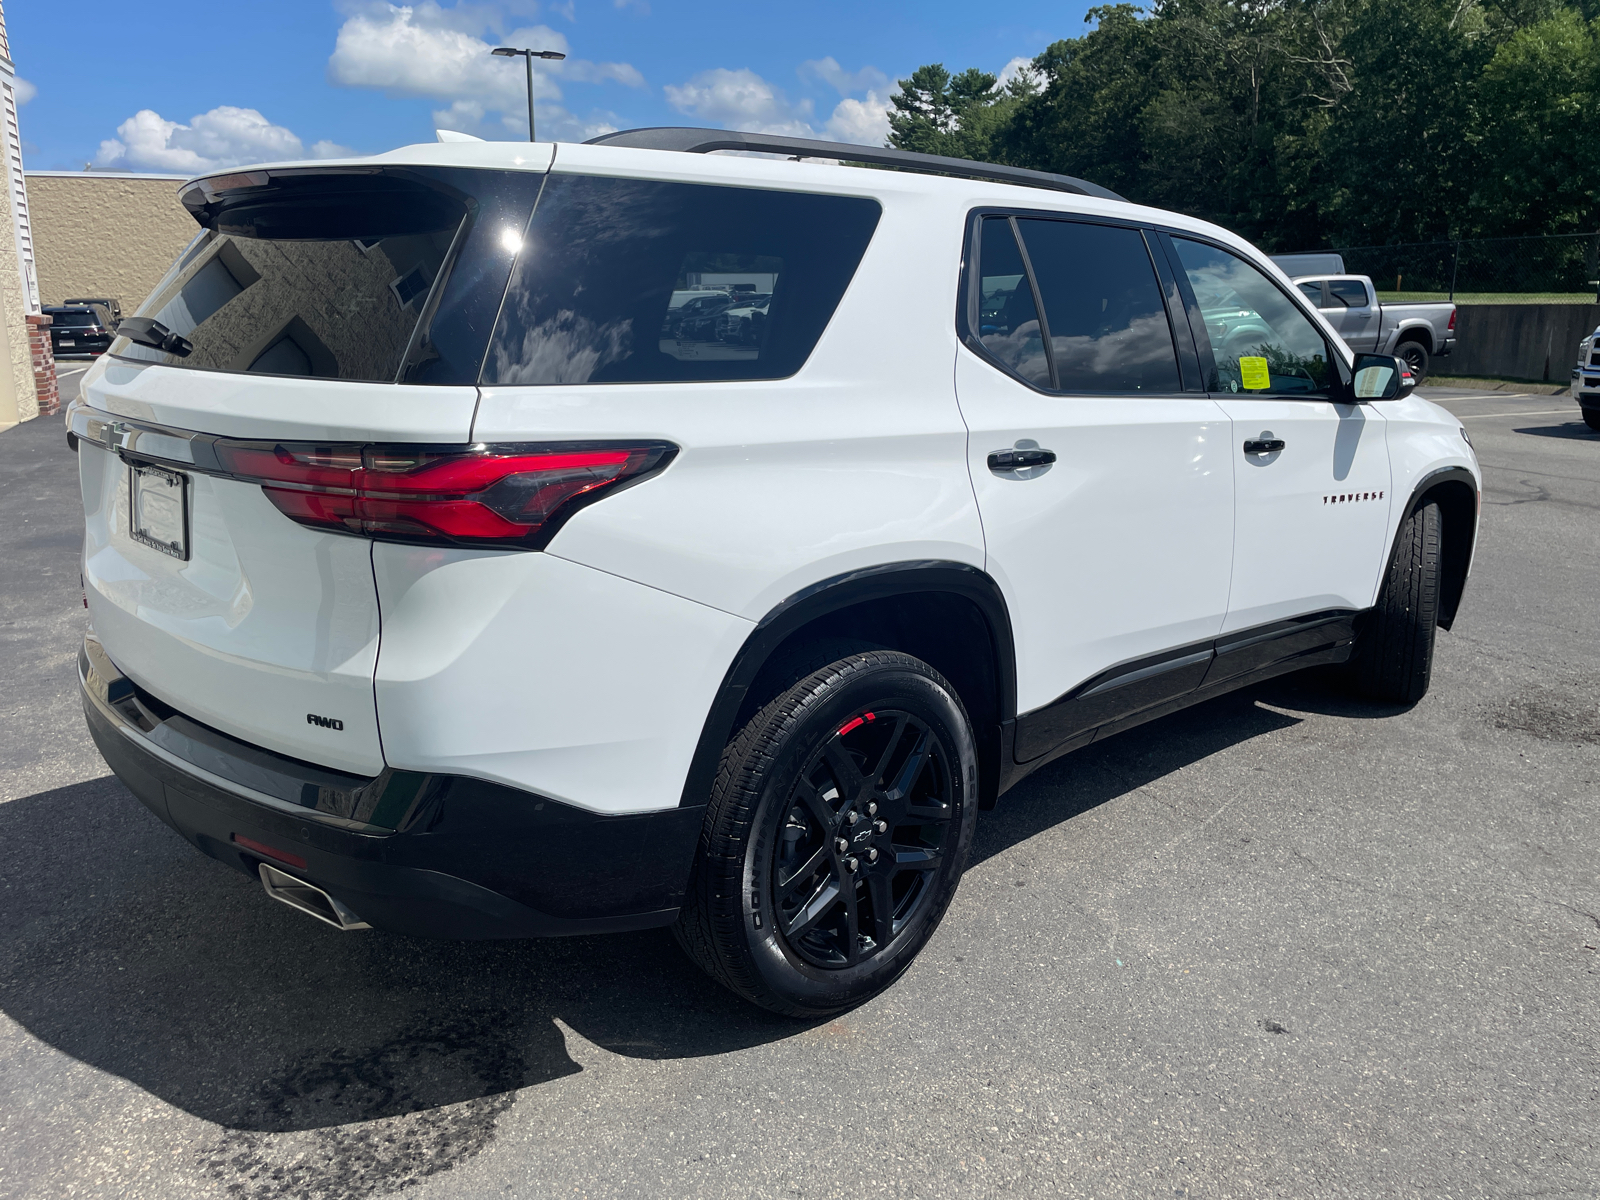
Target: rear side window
x,y
1351,293
633,281
1106,319
1008,318
377,276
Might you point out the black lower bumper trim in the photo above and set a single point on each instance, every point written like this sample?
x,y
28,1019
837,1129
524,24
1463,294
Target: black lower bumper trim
x,y
487,861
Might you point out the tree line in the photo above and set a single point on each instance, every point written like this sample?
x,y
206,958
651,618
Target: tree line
x,y
1302,123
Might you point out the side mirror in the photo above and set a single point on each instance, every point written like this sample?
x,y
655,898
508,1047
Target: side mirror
x,y
1380,377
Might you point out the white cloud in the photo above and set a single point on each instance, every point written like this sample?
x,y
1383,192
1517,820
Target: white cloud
x,y
864,122
741,99
439,53
224,137
327,149
844,82
24,90
1017,66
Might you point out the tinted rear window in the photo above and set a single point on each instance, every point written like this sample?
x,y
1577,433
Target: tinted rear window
x,y
1108,326
60,319
376,276
626,280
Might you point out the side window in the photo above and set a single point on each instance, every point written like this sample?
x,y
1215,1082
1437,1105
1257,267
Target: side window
x,y
640,281
1259,341
1008,320
1312,292
1350,293
1103,309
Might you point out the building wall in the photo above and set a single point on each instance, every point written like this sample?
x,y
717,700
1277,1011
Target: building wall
x,y
102,233
18,296
18,400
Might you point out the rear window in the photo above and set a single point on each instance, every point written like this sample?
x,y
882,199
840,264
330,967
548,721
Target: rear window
x,y
378,275
76,319
1351,293
626,280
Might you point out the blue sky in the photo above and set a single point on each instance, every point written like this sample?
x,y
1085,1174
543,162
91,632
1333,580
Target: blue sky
x,y
185,85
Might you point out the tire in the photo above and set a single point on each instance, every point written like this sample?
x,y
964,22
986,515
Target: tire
x,y
1415,355
1591,418
875,751
1393,663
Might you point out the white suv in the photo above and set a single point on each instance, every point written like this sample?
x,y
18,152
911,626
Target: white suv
x,y
437,584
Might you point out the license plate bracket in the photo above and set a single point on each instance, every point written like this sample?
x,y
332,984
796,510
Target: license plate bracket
x,y
158,510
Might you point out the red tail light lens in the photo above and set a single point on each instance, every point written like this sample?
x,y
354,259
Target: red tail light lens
x,y
1452,324
479,495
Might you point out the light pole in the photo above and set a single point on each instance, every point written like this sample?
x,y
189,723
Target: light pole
x,y
528,56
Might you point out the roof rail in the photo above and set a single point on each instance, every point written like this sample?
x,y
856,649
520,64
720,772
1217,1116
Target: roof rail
x,y
703,141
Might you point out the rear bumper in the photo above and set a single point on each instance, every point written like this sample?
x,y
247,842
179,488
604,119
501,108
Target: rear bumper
x,y
431,856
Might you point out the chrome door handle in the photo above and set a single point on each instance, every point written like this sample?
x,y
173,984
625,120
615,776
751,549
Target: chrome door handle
x,y
1264,445
1016,460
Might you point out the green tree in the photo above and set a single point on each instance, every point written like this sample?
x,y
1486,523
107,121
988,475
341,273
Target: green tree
x,y
954,115
1538,93
1302,123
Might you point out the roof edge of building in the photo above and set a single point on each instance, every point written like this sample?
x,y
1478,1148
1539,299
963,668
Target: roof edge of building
x,y
101,175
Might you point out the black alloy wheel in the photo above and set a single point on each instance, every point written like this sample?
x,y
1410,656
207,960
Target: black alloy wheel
x,y
836,834
859,852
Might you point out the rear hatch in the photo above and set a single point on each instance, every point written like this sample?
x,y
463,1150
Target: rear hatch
x,y
322,318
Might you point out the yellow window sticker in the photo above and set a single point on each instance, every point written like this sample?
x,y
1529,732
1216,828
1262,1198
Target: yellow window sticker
x,y
1253,374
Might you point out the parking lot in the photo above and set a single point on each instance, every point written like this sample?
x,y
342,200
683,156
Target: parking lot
x,y
1282,944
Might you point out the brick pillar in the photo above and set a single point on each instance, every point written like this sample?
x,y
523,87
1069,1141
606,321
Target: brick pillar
x,y
44,365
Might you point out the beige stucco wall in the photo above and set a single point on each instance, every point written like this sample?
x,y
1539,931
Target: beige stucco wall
x,y
18,400
101,234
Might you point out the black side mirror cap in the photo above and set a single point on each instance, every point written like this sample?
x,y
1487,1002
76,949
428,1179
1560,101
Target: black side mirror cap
x,y
1380,377
148,331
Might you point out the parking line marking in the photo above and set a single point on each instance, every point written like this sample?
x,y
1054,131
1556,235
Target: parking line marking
x,y
1548,412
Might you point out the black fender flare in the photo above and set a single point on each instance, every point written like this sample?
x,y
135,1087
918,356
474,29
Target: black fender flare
x,y
833,595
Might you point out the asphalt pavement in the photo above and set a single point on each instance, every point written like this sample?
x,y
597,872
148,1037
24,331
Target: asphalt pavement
x,y
1283,944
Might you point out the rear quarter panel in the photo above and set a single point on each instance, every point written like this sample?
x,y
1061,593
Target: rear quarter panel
x,y
858,459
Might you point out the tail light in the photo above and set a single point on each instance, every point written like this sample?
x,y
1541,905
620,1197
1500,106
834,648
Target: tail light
x,y
514,496
1452,326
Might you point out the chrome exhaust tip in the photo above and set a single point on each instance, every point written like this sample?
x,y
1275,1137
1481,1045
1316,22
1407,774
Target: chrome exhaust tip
x,y
297,893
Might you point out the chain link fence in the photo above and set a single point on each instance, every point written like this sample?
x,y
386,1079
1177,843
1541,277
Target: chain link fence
x,y
1555,269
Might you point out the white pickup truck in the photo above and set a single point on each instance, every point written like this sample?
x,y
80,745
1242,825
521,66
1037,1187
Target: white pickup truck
x,y
1416,333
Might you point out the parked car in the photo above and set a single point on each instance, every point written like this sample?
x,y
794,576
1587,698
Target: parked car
x,y
1417,332
741,324
1586,379
696,318
113,307
77,330
735,644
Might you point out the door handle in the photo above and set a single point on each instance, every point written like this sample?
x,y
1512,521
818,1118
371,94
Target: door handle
x,y
1016,460
1264,445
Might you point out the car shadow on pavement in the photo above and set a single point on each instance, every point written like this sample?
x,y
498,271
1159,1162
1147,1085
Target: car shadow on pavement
x,y
1103,771
1576,430
130,951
